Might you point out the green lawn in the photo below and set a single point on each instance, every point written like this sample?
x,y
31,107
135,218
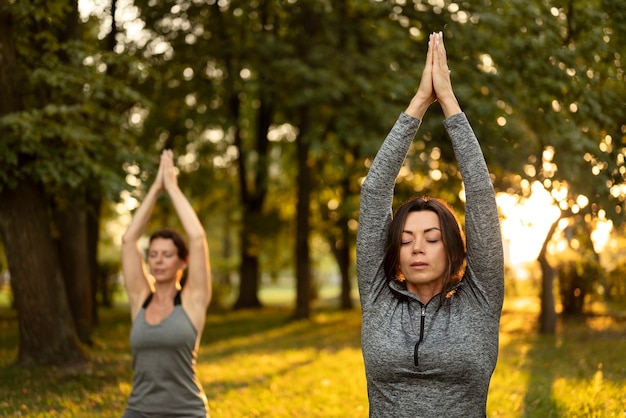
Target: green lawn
x,y
262,364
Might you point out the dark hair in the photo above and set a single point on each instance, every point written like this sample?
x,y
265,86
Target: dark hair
x,y
176,237
451,235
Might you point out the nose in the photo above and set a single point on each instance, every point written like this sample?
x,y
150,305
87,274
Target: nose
x,y
418,246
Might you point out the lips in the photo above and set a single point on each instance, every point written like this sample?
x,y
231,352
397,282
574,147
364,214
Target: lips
x,y
419,264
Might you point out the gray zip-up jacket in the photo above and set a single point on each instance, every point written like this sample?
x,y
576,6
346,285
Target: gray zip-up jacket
x,y
427,360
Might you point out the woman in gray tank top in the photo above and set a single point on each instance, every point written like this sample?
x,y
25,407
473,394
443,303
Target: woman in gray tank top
x,y
168,319
430,304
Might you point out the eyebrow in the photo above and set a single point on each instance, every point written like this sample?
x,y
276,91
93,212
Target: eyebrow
x,y
434,228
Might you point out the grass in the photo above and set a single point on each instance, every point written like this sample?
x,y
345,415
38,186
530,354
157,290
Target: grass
x,y
262,364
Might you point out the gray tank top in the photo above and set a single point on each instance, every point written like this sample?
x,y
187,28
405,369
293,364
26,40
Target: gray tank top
x,y
164,366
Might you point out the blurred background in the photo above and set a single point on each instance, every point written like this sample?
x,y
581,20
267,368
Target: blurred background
x,y
275,110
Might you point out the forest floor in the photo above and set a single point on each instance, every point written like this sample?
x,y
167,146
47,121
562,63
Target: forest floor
x,y
261,363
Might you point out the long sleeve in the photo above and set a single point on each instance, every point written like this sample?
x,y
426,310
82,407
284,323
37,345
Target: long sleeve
x,y
457,342
376,208
485,259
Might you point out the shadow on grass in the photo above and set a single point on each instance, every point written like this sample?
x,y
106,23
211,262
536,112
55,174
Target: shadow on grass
x,y
221,385
101,387
539,397
273,329
579,371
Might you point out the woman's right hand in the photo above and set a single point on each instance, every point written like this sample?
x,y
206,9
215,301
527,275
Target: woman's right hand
x,y
169,176
425,94
435,84
442,85
158,180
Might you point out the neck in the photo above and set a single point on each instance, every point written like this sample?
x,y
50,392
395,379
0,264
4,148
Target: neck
x,y
165,291
425,292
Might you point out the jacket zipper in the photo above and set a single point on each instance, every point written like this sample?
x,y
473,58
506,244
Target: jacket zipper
x,y
417,344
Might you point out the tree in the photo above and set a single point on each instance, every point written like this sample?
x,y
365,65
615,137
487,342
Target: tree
x,y
338,73
542,96
567,126
211,69
344,102
59,108
277,66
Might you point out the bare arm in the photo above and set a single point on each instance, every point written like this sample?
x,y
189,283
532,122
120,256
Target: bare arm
x,y
196,293
135,275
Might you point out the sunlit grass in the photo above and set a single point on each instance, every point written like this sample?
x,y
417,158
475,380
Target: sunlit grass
x,y
263,364
293,368
580,372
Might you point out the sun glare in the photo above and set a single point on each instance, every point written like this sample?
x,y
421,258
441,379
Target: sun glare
x,y
526,223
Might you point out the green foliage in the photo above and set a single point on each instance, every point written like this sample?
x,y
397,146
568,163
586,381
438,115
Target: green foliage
x,y
72,125
532,76
558,82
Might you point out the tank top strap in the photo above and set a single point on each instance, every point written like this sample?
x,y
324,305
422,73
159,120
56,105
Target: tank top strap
x,y
147,301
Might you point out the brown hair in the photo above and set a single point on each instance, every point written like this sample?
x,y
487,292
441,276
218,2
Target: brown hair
x,y
176,237
451,235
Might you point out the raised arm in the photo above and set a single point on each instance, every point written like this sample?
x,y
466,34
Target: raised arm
x,y
136,280
196,293
376,209
485,259
378,187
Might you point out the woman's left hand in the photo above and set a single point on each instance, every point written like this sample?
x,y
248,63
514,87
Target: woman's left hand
x,y
170,179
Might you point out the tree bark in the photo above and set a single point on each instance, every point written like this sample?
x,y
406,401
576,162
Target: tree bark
x,y
253,194
547,314
303,262
248,271
94,211
74,257
343,253
341,249
47,335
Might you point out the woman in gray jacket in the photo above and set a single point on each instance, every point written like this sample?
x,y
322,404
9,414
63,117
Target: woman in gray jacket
x,y
431,303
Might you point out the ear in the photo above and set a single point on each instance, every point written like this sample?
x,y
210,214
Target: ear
x,y
184,263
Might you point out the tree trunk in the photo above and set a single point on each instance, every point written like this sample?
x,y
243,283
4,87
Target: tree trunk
x,y
47,334
341,249
74,257
248,271
547,314
303,263
339,239
253,194
94,211
343,253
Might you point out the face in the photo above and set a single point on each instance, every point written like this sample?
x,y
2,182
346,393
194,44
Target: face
x,y
423,260
163,260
